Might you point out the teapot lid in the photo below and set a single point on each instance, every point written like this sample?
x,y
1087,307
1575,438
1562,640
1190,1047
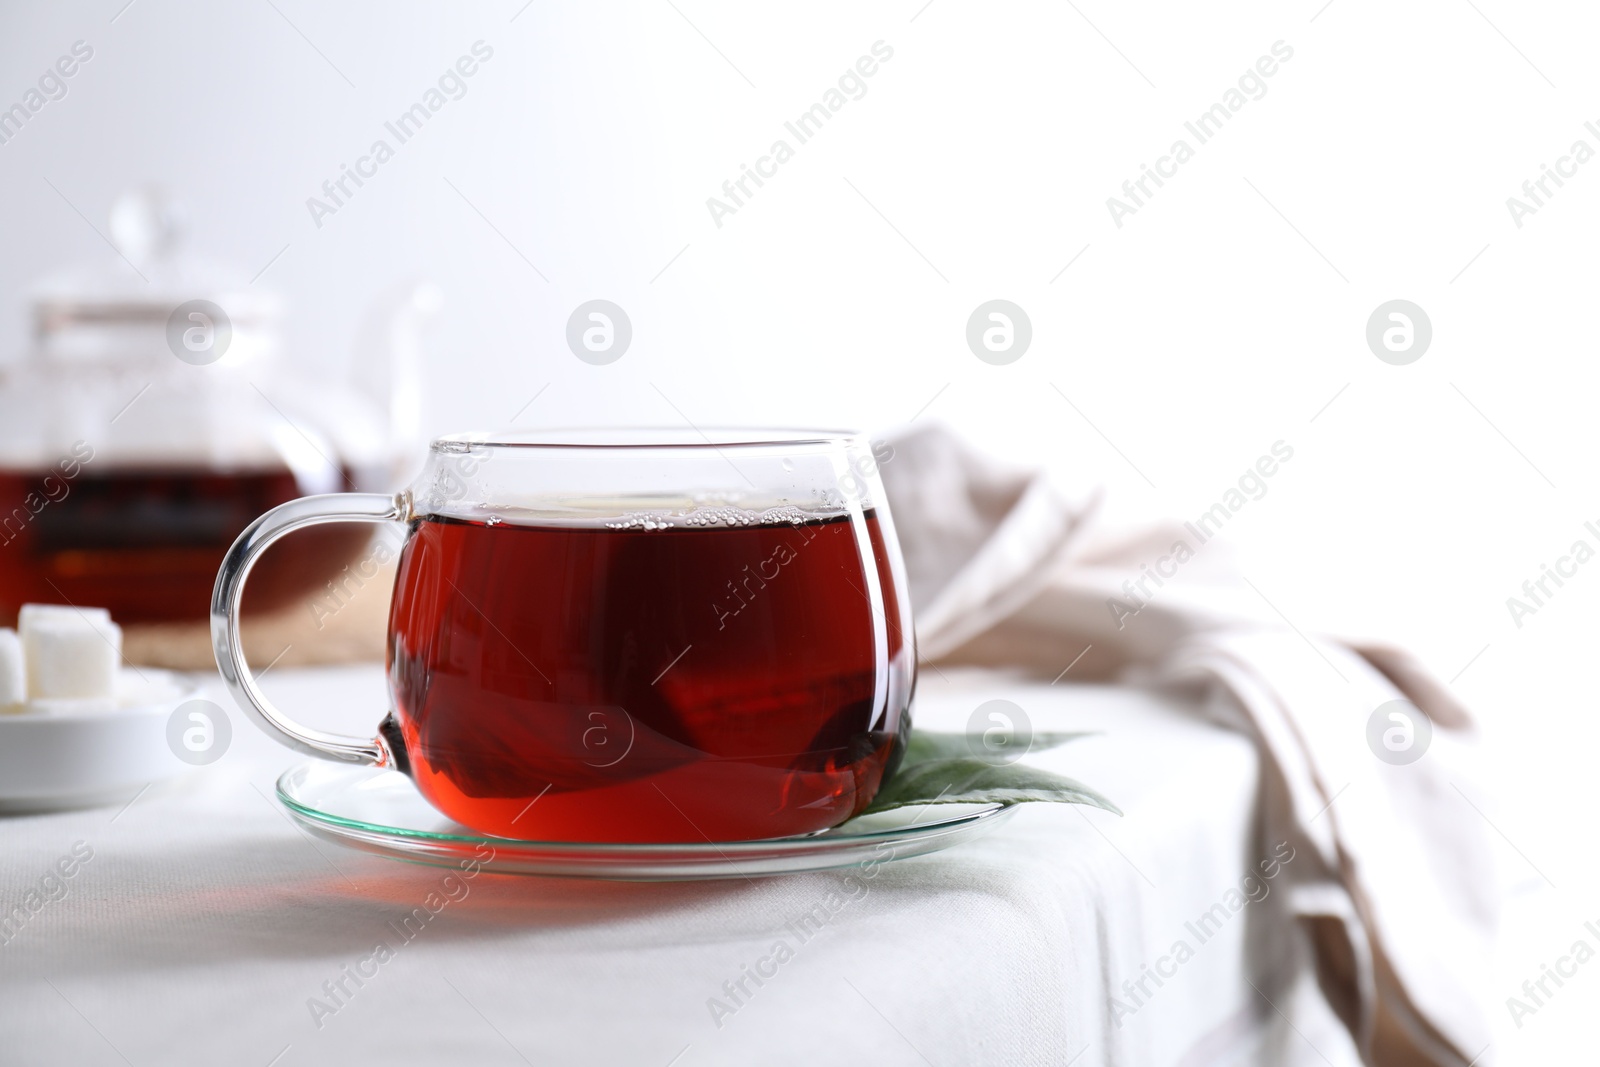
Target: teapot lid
x,y
150,275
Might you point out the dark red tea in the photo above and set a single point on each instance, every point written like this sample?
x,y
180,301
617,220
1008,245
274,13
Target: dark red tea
x,y
583,683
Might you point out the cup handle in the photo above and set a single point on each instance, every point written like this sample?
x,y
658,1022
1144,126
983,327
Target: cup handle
x,y
229,590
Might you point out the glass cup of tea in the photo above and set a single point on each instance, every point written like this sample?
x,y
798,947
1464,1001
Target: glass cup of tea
x,y
627,636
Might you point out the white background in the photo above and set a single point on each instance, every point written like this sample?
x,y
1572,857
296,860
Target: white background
x,y
1227,314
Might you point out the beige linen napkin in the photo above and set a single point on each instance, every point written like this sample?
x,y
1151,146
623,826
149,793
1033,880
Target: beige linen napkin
x,y
1395,886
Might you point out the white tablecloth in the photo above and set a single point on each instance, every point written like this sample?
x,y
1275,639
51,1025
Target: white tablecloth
x,y
205,923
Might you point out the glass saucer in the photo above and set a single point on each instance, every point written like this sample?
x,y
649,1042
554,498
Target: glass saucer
x,y
381,812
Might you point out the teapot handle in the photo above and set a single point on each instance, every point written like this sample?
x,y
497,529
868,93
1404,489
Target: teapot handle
x,y
229,591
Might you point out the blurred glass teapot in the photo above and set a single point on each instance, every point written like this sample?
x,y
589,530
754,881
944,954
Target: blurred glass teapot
x,y
153,421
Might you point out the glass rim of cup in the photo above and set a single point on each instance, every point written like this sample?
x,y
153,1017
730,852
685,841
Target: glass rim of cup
x,y
645,438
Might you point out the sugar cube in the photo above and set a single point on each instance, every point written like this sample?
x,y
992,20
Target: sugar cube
x,y
70,654
32,613
13,679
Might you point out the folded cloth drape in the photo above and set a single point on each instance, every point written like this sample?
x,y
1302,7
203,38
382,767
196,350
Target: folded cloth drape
x,y
1398,897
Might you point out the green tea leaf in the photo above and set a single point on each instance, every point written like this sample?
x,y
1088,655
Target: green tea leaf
x,y
969,780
